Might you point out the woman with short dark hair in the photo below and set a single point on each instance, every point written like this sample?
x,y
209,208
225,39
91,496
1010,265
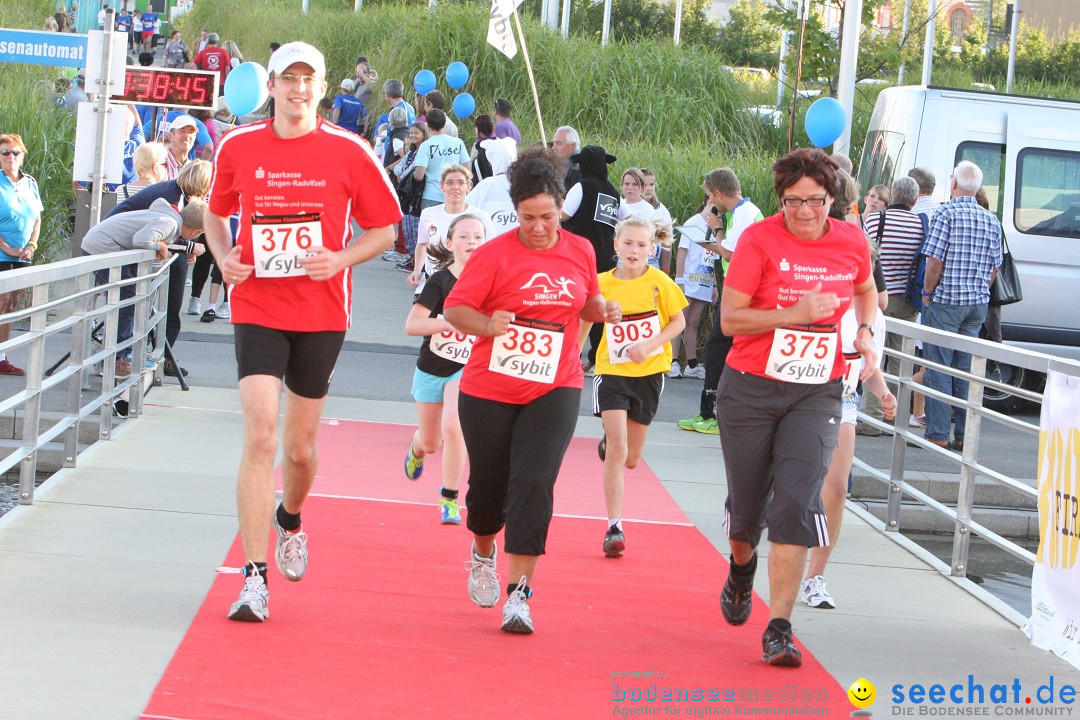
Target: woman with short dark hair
x,y
790,281
523,295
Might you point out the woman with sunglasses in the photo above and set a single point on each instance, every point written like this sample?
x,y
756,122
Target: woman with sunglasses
x,y
791,279
20,225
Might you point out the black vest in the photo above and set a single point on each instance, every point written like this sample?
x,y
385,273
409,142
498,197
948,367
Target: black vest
x,y
389,156
596,218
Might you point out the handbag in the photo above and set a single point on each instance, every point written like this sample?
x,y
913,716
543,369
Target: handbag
x,y
1005,290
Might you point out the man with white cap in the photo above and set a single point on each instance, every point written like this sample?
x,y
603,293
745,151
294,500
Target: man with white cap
x,y
182,131
348,111
297,182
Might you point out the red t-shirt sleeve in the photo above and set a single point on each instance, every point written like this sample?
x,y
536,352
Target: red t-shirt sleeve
x,y
224,197
746,266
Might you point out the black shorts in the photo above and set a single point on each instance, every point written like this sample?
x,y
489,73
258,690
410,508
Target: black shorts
x,y
638,396
305,360
11,265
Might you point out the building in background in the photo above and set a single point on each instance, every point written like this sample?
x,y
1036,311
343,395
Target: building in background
x,y
1056,17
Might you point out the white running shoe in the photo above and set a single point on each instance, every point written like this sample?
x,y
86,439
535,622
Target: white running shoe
x,y
290,551
516,616
676,372
223,311
483,580
254,602
815,595
697,372
194,307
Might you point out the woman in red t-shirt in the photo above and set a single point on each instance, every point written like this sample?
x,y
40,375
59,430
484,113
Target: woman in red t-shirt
x,y
790,281
523,295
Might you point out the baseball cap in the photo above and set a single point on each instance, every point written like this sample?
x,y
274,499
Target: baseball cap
x,y
348,85
296,52
183,121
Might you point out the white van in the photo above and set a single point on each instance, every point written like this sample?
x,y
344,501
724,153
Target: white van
x,y
1029,152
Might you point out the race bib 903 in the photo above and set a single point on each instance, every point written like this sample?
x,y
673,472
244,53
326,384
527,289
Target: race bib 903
x,y
529,350
280,241
633,329
452,345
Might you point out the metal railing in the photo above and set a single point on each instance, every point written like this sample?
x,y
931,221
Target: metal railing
x,y
970,468
65,301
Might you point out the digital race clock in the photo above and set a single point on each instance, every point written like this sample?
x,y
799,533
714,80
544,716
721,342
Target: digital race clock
x,y
169,87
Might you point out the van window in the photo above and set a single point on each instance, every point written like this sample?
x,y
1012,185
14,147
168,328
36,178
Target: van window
x,y
881,156
1048,192
990,157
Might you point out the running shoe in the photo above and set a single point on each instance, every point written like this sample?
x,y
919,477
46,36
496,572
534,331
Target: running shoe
x,y
187,283
815,595
676,372
601,449
123,368
695,373
614,542
737,597
516,616
449,511
254,602
291,551
689,424
194,307
778,648
223,311
209,316
414,465
708,427
483,580
6,368
918,421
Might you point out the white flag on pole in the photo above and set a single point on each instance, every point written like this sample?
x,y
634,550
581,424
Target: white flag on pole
x,y
500,34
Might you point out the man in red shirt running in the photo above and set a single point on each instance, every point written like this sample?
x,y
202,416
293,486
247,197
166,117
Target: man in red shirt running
x,y
296,182
214,58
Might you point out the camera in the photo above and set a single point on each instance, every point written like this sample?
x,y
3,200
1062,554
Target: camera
x,y
716,211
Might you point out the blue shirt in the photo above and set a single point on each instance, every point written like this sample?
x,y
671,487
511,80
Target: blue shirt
x,y
20,208
967,239
123,23
148,20
352,111
435,153
133,142
408,111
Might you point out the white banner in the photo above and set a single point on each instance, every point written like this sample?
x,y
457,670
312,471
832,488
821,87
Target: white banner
x,y
500,34
1055,602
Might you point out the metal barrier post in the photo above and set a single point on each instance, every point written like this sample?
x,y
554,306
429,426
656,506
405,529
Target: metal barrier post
x,y
138,351
899,448
80,344
35,367
965,500
108,374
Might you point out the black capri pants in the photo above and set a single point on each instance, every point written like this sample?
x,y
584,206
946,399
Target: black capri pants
x,y
515,452
778,439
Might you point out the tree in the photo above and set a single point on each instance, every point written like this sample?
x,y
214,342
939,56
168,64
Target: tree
x,y
749,38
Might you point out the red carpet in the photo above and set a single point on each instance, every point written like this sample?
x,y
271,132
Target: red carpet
x,y
382,627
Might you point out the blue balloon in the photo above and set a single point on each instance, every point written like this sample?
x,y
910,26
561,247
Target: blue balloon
x,y
464,105
424,82
457,74
825,121
245,88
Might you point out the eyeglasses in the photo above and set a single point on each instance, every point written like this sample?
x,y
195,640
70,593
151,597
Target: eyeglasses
x,y
290,79
16,153
814,202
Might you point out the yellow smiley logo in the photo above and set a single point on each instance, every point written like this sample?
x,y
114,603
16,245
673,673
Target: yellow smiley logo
x,y
862,693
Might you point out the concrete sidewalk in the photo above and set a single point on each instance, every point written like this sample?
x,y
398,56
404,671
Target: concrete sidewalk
x,y
103,575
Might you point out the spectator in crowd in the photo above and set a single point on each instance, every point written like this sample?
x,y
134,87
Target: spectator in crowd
x,y
565,143
437,151
485,130
410,220
394,90
963,249
492,194
182,131
204,40
898,232
435,99
176,51
926,181
348,110
236,58
396,136
20,226
75,94
150,164
214,58
160,227
504,126
50,25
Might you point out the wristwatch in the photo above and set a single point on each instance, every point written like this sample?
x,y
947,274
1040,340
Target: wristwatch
x,y
868,326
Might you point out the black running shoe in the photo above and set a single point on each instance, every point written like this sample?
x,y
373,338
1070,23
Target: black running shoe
x,y
737,597
778,648
601,449
614,542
